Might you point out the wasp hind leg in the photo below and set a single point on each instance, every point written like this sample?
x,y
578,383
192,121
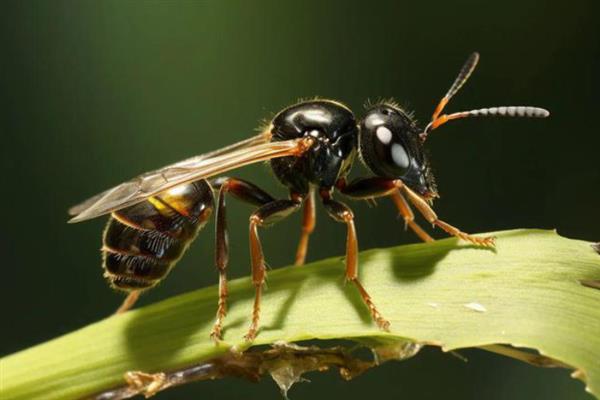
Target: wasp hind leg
x,y
248,193
342,213
129,301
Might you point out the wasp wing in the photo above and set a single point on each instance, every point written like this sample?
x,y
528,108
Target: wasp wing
x,y
263,137
195,168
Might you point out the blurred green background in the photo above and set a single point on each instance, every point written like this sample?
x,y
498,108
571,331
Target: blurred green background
x,y
95,92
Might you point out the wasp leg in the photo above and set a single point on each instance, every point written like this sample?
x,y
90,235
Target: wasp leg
x,y
248,193
342,213
369,188
432,217
266,215
129,301
309,219
409,217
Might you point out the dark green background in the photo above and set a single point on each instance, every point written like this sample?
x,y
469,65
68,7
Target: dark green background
x,y
95,92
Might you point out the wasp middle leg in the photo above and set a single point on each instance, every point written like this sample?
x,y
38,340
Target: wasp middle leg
x,y
309,219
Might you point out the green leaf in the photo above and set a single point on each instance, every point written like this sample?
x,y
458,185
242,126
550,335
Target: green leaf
x,y
528,293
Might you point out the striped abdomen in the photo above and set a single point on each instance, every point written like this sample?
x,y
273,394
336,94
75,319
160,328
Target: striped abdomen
x,y
143,242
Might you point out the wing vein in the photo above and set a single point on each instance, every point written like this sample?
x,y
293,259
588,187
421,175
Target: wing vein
x,y
250,151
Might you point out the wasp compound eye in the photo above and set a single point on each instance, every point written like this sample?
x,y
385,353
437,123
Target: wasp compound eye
x,y
384,140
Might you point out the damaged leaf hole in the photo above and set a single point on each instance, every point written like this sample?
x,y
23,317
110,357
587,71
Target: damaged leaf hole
x,y
592,283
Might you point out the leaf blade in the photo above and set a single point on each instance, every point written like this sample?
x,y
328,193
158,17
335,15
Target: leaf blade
x,y
529,291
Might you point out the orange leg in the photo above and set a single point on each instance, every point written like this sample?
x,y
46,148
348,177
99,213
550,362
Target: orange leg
x,y
265,215
431,216
129,301
216,331
248,193
409,216
309,219
258,275
341,213
371,188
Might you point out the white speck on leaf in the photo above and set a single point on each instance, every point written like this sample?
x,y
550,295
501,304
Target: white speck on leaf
x,y
475,307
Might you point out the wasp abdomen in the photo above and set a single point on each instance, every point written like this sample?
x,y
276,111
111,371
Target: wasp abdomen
x,y
143,242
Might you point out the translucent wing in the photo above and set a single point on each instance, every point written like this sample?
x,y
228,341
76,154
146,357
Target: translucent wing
x,y
249,151
263,137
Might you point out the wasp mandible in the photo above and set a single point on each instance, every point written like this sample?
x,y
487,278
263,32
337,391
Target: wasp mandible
x,y
311,147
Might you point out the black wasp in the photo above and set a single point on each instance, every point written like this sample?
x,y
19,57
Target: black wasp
x,y
311,147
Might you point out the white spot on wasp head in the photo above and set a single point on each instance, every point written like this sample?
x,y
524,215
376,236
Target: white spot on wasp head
x,y
400,156
384,135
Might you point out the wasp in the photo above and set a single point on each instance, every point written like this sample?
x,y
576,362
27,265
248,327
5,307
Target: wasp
x,y
311,147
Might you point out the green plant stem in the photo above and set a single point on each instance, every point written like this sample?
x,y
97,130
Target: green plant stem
x,y
527,293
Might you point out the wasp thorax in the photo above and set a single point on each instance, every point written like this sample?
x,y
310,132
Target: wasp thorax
x,y
334,130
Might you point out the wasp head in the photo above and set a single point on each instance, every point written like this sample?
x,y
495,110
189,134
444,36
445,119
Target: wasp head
x,y
390,146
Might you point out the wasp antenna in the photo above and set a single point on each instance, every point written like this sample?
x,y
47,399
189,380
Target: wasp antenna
x,y
505,111
464,74
510,111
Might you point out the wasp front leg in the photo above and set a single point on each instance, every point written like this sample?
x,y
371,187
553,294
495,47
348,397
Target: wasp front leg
x,y
378,187
427,212
368,188
342,213
409,217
